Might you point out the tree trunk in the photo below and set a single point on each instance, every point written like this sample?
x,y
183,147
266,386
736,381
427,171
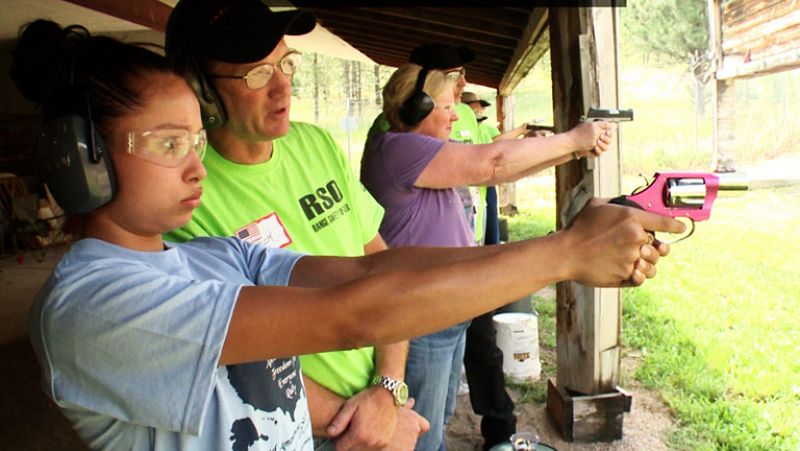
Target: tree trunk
x,y
348,87
316,89
356,67
378,90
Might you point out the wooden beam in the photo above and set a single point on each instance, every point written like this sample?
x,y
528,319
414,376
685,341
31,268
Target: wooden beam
x,y
530,48
418,31
589,318
787,60
506,192
715,42
724,113
149,13
513,17
754,37
583,52
482,22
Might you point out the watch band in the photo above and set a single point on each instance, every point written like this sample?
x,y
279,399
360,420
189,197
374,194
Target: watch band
x,y
397,388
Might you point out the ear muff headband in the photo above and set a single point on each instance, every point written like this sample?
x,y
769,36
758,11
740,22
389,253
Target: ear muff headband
x,y
211,108
417,107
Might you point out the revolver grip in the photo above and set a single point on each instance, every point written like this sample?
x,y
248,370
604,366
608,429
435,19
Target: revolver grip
x,y
625,202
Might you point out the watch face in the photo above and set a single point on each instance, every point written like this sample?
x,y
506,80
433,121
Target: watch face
x,y
401,393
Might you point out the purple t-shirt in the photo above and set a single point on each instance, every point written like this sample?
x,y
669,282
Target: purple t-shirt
x,y
414,216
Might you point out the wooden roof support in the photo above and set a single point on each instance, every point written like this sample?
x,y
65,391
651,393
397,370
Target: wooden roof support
x,y
583,51
149,13
530,48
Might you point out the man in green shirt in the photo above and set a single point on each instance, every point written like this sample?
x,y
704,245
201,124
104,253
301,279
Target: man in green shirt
x,y
478,105
286,184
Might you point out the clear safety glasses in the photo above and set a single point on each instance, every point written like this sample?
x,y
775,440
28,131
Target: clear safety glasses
x,y
167,147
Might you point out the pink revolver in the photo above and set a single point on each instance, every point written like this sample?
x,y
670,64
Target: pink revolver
x,y
684,194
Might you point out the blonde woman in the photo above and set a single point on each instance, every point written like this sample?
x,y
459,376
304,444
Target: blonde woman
x,y
413,171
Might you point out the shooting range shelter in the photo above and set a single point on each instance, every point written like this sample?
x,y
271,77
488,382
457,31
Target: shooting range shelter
x,y
748,38
585,401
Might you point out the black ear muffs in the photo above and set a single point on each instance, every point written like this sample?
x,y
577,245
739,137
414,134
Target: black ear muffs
x,y
75,164
211,108
417,107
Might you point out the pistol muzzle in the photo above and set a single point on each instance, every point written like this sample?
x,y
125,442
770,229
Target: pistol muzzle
x,y
733,184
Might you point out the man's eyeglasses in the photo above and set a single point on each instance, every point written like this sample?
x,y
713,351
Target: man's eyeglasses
x,y
167,147
259,76
455,74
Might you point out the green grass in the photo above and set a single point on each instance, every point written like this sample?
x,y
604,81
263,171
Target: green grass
x,y
717,327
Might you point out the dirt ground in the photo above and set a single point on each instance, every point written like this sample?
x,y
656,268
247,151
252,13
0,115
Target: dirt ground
x,y
645,427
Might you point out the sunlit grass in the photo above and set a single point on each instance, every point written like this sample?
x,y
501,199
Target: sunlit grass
x,y
719,324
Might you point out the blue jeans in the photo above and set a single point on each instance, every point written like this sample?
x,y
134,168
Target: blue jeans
x,y
433,373
323,444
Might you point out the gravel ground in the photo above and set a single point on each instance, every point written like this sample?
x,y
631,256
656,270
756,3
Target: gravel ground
x,y
645,428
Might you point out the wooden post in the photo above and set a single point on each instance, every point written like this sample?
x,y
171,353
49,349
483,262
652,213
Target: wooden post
x,y
724,113
584,69
506,192
723,93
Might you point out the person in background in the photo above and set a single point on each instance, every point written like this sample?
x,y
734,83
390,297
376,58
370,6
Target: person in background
x,y
453,61
284,184
478,106
412,171
483,360
489,133
147,345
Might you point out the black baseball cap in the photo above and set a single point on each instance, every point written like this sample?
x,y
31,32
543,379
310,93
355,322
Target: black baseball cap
x,y
232,31
441,56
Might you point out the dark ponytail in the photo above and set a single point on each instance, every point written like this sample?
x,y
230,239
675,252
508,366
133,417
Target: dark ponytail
x,y
66,70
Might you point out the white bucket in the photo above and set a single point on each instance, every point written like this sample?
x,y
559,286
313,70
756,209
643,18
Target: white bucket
x,y
518,338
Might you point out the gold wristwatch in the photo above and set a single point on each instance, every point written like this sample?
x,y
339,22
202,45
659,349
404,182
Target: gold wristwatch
x,y
398,389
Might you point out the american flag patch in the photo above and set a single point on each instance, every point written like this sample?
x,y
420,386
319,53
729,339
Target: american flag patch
x,y
268,231
249,233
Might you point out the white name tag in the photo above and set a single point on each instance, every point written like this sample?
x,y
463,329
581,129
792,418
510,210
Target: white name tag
x,y
268,231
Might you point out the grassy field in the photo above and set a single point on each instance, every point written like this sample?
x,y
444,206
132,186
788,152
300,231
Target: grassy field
x,y
717,328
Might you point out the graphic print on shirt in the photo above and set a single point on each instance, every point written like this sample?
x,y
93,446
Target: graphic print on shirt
x,y
273,389
268,231
324,205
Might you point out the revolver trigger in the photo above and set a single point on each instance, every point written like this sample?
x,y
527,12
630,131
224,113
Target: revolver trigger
x,y
674,238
